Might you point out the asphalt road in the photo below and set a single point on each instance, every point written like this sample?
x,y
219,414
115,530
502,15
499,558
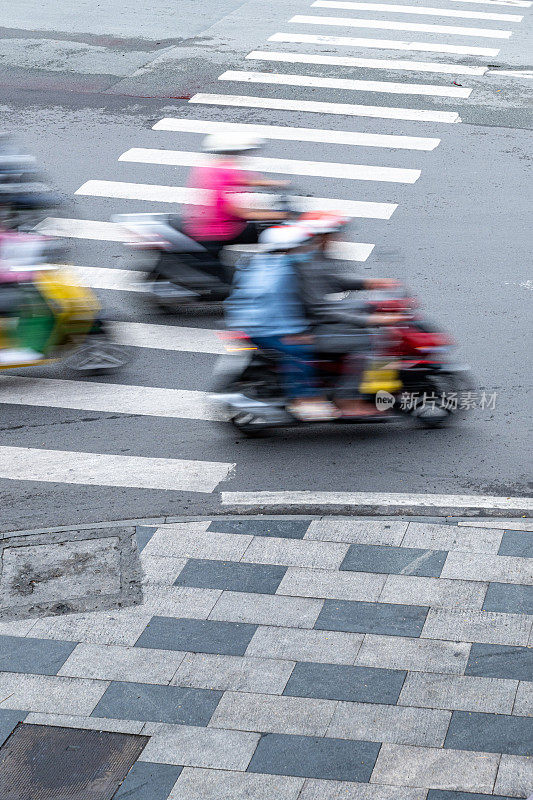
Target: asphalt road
x,y
81,90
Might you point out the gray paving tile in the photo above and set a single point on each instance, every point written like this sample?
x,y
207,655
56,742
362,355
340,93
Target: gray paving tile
x,y
9,719
113,663
425,655
192,540
88,723
524,699
325,583
458,692
161,570
179,601
191,746
342,790
477,626
509,598
362,617
264,609
294,553
401,765
341,682
49,693
143,534
38,656
452,537
437,794
314,757
397,560
273,714
151,703
515,776
363,531
305,645
512,524
231,575
386,723
488,567
210,784
235,673
517,543
122,626
197,636
147,781
492,733
434,592
500,661
281,528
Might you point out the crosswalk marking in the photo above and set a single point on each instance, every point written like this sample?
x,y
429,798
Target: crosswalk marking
x,y
346,109
512,3
369,63
422,10
285,166
184,195
387,87
98,469
113,232
125,280
106,397
305,134
383,44
167,337
390,25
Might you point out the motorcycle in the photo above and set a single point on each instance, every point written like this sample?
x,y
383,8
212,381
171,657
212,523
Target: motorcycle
x,y
184,272
46,315
409,373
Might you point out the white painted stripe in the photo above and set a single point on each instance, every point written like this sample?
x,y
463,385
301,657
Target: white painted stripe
x,y
98,469
112,232
378,500
175,338
390,25
106,397
285,166
303,134
346,109
512,3
369,63
423,10
513,73
177,194
383,44
126,280
388,87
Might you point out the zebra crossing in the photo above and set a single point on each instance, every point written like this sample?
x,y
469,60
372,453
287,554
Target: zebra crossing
x,y
293,112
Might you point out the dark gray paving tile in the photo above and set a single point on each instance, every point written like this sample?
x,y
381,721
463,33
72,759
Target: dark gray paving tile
x,y
154,703
512,598
341,682
8,721
147,781
490,733
438,794
197,636
394,560
516,543
143,534
315,757
500,661
230,575
285,528
38,656
362,617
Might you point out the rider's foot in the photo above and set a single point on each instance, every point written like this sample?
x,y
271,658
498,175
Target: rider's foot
x,y
19,355
314,409
355,407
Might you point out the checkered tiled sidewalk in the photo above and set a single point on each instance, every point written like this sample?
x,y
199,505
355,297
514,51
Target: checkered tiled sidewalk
x,y
331,659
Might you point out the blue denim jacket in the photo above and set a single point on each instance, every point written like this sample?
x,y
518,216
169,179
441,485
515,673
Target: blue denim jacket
x,y
265,300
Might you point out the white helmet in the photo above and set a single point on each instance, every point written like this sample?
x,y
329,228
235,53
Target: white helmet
x,y
227,142
283,237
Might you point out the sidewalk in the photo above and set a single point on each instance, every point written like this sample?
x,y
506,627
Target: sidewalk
x,y
300,659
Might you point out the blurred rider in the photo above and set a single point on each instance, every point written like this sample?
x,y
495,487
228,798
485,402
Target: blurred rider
x,y
266,305
323,287
221,219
